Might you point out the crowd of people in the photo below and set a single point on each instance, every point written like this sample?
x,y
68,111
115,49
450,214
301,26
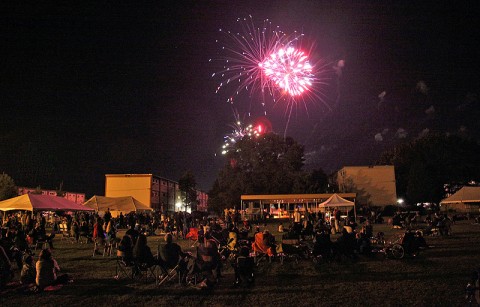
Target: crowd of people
x,y
229,237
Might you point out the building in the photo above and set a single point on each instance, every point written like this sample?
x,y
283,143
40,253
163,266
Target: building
x,y
156,192
78,198
374,185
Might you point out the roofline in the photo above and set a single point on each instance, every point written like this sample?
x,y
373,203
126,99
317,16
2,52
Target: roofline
x,y
295,196
128,175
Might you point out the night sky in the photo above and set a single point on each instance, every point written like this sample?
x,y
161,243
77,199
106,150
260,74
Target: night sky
x,y
127,88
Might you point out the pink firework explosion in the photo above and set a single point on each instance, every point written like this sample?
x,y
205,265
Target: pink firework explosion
x,y
265,60
289,69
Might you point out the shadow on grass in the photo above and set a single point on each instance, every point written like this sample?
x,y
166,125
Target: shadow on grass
x,y
101,287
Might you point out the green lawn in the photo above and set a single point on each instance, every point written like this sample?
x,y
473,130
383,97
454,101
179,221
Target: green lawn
x,y
436,278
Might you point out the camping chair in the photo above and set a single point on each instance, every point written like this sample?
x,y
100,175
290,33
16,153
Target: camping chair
x,y
192,235
261,249
124,266
289,248
244,269
110,244
145,269
168,274
66,233
99,242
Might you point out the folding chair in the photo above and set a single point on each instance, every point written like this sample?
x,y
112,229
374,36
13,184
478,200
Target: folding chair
x,y
65,233
193,236
244,270
168,275
99,242
123,266
109,246
146,270
260,249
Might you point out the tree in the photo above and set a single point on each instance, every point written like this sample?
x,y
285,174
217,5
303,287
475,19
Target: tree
x,y
424,165
314,182
268,164
7,187
187,185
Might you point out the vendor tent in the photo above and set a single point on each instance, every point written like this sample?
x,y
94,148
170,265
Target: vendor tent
x,y
335,201
467,199
36,202
116,205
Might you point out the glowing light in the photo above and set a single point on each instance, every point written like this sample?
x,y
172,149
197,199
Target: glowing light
x,y
289,69
268,60
269,65
240,130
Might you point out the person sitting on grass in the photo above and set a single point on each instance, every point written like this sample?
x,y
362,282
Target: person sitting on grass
x,y
29,272
47,268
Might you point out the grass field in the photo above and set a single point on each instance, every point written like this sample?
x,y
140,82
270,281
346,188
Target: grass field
x,y
437,277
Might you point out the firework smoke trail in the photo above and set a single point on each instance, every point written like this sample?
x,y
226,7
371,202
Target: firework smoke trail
x,y
338,70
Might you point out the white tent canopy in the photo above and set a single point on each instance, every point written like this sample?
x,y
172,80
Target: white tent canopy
x,y
116,205
467,199
335,201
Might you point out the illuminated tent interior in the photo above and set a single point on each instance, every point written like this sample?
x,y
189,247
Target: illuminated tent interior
x,y
283,205
116,205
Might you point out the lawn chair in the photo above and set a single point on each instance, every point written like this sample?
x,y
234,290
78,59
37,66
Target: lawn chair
x,y
192,235
124,266
145,270
109,246
66,233
244,267
292,249
260,249
168,274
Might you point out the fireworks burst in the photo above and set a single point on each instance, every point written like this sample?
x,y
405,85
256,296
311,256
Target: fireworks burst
x,y
289,69
261,126
267,60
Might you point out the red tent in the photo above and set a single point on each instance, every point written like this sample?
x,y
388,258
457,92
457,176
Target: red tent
x,y
35,202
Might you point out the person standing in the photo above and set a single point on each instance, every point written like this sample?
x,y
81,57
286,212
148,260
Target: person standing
x,y
107,216
98,234
337,216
